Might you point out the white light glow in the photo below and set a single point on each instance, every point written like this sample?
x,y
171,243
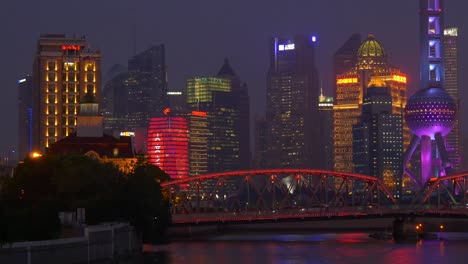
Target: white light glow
x,y
289,47
174,93
453,32
127,134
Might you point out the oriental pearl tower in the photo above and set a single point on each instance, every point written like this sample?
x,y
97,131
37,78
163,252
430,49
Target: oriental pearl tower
x,y
430,112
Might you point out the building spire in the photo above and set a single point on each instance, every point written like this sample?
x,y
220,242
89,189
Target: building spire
x,y
321,96
226,69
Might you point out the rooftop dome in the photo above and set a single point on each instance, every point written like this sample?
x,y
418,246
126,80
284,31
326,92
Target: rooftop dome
x,y
371,53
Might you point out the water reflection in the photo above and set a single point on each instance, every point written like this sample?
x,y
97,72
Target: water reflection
x,y
307,248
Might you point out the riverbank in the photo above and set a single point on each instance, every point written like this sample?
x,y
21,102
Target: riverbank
x,y
101,244
200,232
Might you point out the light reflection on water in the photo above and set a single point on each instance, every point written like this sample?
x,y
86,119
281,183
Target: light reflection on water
x,y
311,248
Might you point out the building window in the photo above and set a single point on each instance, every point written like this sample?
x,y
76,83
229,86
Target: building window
x,y
51,65
51,88
51,77
51,99
89,66
50,120
51,131
89,77
51,110
70,110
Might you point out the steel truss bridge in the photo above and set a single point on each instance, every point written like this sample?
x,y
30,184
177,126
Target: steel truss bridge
x,y
288,194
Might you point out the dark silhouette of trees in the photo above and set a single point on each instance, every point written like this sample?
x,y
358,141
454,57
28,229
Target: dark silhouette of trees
x,y
42,187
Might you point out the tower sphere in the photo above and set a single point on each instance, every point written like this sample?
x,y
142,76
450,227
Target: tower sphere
x,y
430,111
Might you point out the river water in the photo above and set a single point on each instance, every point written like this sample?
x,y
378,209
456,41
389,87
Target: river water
x,y
310,248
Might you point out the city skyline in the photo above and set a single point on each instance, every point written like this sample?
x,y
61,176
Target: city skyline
x,y
235,42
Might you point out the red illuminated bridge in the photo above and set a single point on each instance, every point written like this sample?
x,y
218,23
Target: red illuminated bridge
x,y
284,194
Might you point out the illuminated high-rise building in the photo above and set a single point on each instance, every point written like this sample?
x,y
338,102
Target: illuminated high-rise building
x,y
147,90
177,100
241,93
292,112
25,116
378,139
214,96
345,58
325,107
198,143
261,143
351,87
168,145
454,139
431,111
431,35
133,96
64,69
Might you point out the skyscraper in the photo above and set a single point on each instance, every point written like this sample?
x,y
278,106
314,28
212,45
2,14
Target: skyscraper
x,y
147,86
241,93
454,139
115,104
345,58
132,97
351,87
198,143
325,107
214,96
261,144
378,138
292,99
64,69
168,145
25,116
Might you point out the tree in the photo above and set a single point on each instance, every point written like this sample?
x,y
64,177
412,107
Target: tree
x,y
147,209
40,188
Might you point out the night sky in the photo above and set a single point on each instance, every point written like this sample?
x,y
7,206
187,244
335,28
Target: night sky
x,y
198,34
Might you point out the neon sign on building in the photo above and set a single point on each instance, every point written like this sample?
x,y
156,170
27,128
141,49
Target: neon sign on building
x,y
400,79
283,47
198,113
71,47
168,145
347,81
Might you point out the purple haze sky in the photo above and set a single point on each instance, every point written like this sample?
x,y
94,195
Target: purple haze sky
x,y
199,34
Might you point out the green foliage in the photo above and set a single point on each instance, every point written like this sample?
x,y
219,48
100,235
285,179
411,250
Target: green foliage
x,y
42,187
146,208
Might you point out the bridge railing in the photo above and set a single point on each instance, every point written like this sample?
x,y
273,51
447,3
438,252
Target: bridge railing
x,y
252,216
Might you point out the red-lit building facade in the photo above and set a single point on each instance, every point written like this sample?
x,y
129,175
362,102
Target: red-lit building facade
x,y
168,145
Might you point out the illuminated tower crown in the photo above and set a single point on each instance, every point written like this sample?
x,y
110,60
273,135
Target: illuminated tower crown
x,y
371,54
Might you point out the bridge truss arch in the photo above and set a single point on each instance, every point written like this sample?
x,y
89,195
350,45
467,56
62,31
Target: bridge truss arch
x,y
275,191
449,192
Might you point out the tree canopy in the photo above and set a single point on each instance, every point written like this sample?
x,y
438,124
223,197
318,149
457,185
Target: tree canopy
x,y
42,187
